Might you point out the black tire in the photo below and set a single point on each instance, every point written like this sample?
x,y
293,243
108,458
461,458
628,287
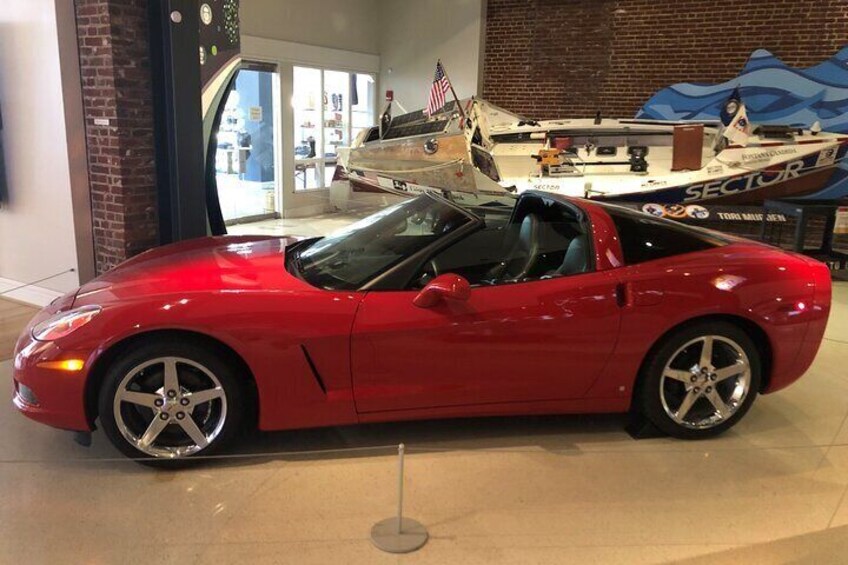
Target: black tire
x,y
649,396
235,395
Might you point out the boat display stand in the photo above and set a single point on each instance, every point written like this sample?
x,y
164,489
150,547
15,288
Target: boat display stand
x,y
804,210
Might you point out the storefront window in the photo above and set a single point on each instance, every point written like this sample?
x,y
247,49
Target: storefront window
x,y
330,109
308,147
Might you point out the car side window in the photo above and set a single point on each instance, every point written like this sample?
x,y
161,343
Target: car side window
x,y
356,254
538,242
644,238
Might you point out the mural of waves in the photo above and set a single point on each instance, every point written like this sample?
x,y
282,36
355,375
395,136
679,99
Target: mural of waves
x,y
774,93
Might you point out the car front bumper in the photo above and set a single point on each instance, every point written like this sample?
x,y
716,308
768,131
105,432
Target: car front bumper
x,y
43,392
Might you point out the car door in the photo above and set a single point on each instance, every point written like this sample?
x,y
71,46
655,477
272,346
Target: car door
x,y
539,340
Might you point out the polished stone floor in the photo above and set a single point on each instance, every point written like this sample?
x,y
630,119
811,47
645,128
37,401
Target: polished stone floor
x,y
13,316
512,490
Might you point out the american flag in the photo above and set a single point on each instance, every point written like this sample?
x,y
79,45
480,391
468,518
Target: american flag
x,y
440,87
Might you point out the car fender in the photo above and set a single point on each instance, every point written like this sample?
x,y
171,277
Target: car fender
x,y
764,288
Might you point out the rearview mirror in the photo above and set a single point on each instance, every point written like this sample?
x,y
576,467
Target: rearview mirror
x,y
443,287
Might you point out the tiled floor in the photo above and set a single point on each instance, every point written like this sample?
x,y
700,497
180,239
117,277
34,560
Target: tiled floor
x,y
517,490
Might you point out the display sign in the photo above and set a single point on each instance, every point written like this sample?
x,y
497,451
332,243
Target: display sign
x,y
695,213
742,221
219,36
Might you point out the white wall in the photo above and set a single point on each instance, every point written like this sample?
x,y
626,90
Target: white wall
x,y
415,34
409,36
340,24
37,224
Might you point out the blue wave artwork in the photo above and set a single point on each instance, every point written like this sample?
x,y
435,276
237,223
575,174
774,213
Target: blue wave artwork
x,y
774,93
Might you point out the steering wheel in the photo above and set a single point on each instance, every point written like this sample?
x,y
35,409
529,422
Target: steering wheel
x,y
428,273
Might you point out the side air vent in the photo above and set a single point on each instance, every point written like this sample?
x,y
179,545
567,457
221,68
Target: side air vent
x,y
315,374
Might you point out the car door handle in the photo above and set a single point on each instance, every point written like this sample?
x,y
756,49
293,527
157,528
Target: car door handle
x,y
622,294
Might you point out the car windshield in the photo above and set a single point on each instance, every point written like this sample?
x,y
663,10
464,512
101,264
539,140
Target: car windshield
x,y
349,258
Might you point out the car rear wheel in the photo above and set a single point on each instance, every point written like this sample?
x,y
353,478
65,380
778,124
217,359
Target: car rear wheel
x,y
165,401
701,380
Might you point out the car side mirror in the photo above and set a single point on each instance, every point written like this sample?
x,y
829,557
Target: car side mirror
x,y
443,287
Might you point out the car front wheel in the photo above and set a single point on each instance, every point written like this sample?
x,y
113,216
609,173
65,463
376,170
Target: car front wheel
x,y
170,401
701,380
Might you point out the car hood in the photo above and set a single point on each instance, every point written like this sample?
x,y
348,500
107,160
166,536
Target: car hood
x,y
209,264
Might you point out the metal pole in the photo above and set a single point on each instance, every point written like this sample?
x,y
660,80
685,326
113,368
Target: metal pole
x,y
455,97
391,534
401,449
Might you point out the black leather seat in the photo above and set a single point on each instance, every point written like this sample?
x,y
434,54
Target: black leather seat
x,y
523,253
576,258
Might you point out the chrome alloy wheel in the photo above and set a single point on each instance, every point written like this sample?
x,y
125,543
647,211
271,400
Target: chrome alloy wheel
x,y
170,407
705,382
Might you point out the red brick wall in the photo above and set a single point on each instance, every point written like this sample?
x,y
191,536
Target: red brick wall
x,y
570,58
116,86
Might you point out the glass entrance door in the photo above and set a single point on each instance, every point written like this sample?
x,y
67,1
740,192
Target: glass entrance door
x,y
245,158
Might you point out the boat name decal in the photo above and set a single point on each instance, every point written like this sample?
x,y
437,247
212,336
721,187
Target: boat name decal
x,y
758,179
546,187
750,216
763,155
694,213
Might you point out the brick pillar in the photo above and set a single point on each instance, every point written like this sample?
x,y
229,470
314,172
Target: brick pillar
x,y
118,109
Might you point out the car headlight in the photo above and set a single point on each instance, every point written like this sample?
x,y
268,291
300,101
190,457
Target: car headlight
x,y
64,323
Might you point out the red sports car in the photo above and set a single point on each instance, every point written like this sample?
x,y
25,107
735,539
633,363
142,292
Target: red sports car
x,y
427,309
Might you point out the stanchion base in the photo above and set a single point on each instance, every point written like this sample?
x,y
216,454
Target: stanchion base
x,y
385,535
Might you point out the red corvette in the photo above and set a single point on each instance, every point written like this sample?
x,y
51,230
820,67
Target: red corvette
x,y
427,309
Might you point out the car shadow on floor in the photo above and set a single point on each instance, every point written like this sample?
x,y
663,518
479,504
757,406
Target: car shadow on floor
x,y
557,433
564,435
